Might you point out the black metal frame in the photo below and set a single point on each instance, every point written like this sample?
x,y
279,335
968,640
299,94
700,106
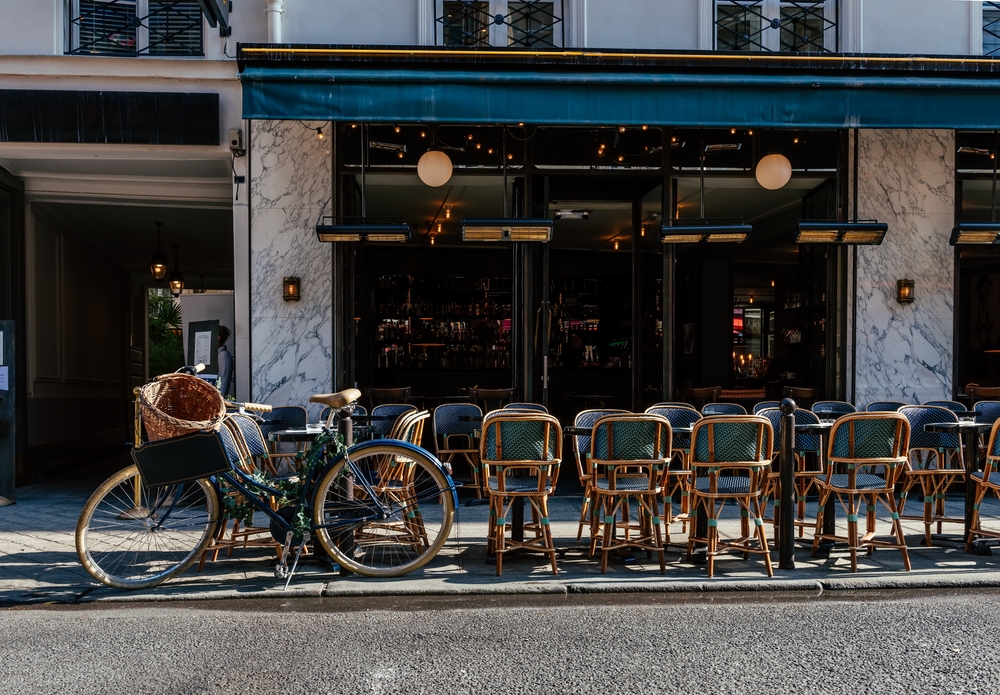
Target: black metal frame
x,y
114,25
794,38
529,23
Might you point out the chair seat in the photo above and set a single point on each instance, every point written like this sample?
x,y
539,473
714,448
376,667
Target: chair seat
x,y
864,481
728,485
517,483
625,483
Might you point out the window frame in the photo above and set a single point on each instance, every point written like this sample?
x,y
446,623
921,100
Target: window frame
x,y
770,41
142,44
499,35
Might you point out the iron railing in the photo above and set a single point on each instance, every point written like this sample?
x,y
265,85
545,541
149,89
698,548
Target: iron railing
x,y
529,24
991,28
804,27
136,27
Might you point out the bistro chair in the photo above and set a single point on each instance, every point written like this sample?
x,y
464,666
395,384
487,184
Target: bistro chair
x,y
229,538
700,396
384,418
839,407
981,393
629,455
987,412
985,481
676,478
534,407
282,417
953,406
935,462
520,453
864,444
730,459
765,404
884,407
723,409
256,447
409,427
804,475
490,399
581,452
378,396
803,397
454,426
674,404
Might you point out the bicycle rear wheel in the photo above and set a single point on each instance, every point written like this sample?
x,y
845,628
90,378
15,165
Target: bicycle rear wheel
x,y
394,525
131,536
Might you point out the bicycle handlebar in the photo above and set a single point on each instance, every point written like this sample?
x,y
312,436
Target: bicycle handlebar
x,y
191,369
259,407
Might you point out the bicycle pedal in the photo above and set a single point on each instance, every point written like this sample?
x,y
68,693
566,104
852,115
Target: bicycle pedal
x,y
280,570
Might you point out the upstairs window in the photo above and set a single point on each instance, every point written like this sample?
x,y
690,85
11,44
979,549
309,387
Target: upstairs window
x,y
136,27
991,28
476,23
790,26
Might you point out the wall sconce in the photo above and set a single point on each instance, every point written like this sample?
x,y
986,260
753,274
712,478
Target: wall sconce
x,y
291,290
904,291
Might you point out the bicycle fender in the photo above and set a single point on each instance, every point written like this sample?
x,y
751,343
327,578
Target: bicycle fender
x,y
361,446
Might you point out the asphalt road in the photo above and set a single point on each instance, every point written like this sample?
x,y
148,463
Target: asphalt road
x,y
902,642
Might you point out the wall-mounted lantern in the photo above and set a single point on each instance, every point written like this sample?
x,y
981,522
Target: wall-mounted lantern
x,y
291,289
904,291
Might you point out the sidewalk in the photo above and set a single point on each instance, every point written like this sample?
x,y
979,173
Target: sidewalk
x,y
38,562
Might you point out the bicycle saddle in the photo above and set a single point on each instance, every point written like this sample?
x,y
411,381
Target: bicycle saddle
x,y
336,400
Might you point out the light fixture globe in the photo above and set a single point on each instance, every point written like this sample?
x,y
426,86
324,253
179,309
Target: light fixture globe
x,y
434,168
774,171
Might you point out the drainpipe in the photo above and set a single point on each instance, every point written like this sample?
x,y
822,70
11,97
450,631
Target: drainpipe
x,y
275,8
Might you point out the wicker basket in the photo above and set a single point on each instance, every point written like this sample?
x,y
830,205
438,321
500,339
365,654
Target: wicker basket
x,y
177,404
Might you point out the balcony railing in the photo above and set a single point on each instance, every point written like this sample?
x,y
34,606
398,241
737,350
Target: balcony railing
x,y
136,27
803,27
528,24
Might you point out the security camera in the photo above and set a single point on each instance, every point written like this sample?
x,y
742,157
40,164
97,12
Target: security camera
x,y
236,142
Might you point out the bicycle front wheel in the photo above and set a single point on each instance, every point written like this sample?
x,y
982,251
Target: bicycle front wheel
x,y
386,514
131,536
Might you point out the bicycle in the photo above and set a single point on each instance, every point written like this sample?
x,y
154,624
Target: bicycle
x,y
380,508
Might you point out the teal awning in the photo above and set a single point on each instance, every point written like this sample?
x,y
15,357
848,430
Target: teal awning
x,y
961,94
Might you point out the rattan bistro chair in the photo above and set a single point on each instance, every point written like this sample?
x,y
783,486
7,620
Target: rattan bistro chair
x,y
520,453
629,455
986,481
934,462
531,407
698,397
377,396
884,407
804,475
839,407
864,444
490,399
802,396
953,406
385,417
730,458
581,453
455,426
676,481
723,409
765,404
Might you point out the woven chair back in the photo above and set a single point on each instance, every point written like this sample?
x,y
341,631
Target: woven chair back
x,y
629,452
953,406
920,415
840,407
765,404
533,407
723,409
987,412
454,419
385,417
883,406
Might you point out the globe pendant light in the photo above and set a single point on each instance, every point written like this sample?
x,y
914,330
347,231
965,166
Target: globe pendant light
x,y
434,168
176,279
773,171
158,263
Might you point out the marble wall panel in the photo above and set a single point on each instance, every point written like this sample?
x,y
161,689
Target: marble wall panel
x,y
905,352
290,190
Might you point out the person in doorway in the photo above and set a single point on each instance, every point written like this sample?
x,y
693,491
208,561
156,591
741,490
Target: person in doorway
x,y
225,363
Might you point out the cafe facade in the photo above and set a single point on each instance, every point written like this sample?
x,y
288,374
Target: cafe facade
x,y
563,134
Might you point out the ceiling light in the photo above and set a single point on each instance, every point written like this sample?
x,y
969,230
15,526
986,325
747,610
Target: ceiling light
x,y
507,230
434,168
447,211
176,278
773,171
158,263
616,244
976,233
868,233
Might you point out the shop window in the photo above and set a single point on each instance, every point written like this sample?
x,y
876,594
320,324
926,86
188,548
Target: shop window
x,y
136,27
991,28
776,25
472,23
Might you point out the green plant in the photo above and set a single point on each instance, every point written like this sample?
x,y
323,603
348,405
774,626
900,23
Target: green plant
x,y
166,349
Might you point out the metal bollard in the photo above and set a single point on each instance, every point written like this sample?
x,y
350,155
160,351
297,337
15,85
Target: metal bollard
x,y
786,519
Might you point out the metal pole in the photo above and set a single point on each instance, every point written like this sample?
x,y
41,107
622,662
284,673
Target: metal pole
x,y
786,505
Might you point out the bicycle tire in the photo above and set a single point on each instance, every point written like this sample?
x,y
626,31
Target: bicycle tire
x,y
122,541
421,511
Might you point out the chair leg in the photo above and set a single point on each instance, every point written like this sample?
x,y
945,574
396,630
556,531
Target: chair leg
x,y
583,511
758,521
824,496
852,530
713,537
897,528
609,531
974,527
927,485
547,530
657,536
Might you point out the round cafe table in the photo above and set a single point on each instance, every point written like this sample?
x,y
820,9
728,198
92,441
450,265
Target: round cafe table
x,y
969,432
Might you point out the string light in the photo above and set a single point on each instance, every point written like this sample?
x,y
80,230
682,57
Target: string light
x,y
423,134
749,132
645,127
621,129
396,129
447,212
439,227
796,141
432,240
319,133
510,156
616,244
